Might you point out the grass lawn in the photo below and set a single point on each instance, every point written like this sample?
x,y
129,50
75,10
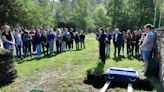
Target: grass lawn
x,y
65,72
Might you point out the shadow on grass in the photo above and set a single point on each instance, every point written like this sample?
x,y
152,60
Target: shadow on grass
x,y
117,59
96,78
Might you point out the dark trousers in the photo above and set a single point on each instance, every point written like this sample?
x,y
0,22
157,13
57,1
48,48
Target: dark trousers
x,y
34,46
27,48
18,51
153,53
77,45
68,44
71,44
58,47
45,49
134,49
137,49
23,47
117,47
102,52
82,43
128,48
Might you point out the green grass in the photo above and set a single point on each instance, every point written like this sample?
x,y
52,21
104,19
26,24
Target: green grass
x,y
65,72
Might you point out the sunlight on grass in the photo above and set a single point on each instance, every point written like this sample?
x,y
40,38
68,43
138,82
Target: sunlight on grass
x,y
70,68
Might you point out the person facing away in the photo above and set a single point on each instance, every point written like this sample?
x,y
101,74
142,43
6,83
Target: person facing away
x,y
82,39
7,38
147,45
68,38
27,39
117,41
18,43
51,39
77,40
101,39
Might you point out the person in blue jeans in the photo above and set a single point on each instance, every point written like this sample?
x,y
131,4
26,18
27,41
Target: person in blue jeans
x,y
38,42
147,45
51,38
18,43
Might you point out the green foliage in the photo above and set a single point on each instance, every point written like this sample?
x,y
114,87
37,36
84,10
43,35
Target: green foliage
x,y
82,14
27,13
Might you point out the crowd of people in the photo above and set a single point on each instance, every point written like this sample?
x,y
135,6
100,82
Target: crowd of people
x,y
139,42
38,40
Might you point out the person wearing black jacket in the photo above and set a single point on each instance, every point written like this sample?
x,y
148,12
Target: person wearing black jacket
x,y
101,39
77,40
27,40
38,41
44,43
134,43
82,39
72,37
117,38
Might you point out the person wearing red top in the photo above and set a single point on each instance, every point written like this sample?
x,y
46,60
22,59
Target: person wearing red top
x,y
32,34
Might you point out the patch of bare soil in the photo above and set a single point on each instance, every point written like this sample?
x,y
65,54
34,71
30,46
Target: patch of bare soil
x,y
55,80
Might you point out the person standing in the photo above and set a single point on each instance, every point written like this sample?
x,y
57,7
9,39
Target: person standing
x,y
101,39
154,49
45,44
147,45
68,39
82,39
107,43
58,40
122,42
27,40
134,43
117,42
32,34
18,43
51,39
137,43
77,40
7,38
128,43
64,40
72,37
38,41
